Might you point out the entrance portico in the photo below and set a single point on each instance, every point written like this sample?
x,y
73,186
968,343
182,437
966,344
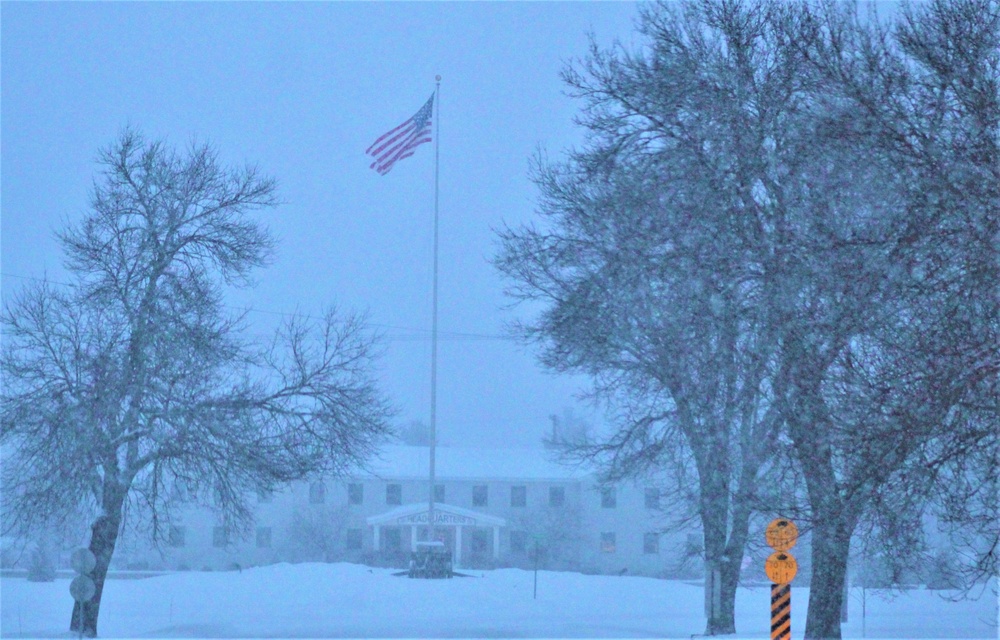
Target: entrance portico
x,y
447,518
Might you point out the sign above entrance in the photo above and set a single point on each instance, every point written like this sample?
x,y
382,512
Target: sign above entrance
x,y
440,517
445,515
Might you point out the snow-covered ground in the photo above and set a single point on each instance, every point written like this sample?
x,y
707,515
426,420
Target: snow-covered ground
x,y
343,600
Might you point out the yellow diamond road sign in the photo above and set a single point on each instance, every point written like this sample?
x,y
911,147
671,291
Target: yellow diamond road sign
x,y
781,534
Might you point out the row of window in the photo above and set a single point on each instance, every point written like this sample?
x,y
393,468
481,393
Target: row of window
x,y
480,495
177,537
609,498
393,541
650,542
394,494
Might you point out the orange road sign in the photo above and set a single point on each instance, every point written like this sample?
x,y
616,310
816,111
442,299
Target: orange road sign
x,y
781,534
781,567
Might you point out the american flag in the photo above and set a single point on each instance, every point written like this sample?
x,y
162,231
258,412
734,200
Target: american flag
x,y
399,143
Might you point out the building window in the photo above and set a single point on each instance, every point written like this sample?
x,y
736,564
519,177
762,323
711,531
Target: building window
x,y
176,536
393,538
480,542
651,543
479,495
557,496
519,496
353,539
439,493
317,492
518,541
394,494
220,537
263,537
609,499
608,542
355,493
652,498
265,497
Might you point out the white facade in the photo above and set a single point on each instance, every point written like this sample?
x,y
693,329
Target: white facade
x,y
493,508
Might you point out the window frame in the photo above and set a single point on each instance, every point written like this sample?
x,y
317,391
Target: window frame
x,y
394,493
609,498
396,535
480,495
521,491
349,539
560,491
652,498
176,536
479,537
355,493
220,537
609,542
523,547
651,543
317,492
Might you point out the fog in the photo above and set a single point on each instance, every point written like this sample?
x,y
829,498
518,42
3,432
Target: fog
x,y
302,90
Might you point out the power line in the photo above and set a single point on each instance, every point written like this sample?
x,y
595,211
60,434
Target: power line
x,y
416,335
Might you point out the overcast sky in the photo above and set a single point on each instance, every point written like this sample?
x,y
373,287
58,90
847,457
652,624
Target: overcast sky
x,y
302,89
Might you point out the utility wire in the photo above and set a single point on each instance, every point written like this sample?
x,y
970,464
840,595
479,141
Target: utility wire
x,y
415,334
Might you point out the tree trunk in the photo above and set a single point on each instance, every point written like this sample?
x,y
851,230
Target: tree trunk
x,y
831,544
724,620
725,539
833,519
104,537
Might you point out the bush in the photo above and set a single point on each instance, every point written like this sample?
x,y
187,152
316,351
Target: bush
x,y
943,572
481,562
42,565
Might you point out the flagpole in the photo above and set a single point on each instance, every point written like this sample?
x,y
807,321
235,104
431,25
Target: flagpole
x,y
434,315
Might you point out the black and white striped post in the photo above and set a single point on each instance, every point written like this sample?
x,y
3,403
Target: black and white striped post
x,y
781,568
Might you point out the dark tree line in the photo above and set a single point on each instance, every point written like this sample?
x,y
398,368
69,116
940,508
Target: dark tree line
x,y
778,251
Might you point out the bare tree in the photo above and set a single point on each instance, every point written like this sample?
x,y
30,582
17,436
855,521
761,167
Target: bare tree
x,y
568,429
659,260
316,533
553,536
783,230
892,400
415,433
134,378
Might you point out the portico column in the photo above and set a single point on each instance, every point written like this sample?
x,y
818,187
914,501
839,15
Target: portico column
x,y
377,527
413,537
458,545
496,542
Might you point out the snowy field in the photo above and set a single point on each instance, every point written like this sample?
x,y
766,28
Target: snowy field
x,y
343,600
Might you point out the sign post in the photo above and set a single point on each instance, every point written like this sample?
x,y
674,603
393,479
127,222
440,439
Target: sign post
x,y
781,534
713,590
82,588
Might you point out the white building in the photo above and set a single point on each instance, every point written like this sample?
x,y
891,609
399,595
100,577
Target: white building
x,y
492,508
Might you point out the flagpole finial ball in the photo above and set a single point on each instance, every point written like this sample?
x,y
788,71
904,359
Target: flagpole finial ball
x,y
438,78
